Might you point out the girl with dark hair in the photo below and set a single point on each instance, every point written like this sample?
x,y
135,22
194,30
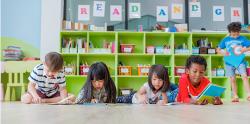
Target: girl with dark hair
x,y
99,86
157,90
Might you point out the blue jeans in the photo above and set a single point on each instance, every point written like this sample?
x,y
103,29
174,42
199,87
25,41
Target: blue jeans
x,y
230,70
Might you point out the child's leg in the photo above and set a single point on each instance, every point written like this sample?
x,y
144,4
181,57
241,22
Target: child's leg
x,y
53,99
230,72
246,85
243,72
234,87
125,99
26,98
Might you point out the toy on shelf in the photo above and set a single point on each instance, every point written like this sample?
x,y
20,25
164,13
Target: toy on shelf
x,y
143,69
205,47
159,27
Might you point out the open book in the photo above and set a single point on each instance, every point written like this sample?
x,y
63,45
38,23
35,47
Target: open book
x,y
210,92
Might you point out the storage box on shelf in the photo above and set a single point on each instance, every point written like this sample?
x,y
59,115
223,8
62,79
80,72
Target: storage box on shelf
x,y
125,70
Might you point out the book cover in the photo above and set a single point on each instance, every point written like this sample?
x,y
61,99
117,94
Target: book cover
x,y
210,92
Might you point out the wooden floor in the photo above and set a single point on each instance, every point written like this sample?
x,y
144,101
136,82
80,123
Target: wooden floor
x,y
17,113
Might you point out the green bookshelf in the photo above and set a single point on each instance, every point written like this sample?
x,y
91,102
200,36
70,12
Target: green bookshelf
x,y
140,56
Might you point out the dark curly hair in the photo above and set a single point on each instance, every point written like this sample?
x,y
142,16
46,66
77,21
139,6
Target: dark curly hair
x,y
234,27
196,59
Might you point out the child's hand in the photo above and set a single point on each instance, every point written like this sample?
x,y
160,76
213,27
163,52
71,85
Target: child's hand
x,y
161,102
142,99
217,101
94,101
244,49
225,53
37,99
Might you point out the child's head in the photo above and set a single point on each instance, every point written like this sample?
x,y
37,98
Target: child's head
x,y
234,29
158,78
98,78
196,67
53,63
98,75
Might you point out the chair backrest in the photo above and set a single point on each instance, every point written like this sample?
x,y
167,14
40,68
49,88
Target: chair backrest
x,y
15,67
15,70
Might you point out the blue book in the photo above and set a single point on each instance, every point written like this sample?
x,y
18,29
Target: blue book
x,y
210,92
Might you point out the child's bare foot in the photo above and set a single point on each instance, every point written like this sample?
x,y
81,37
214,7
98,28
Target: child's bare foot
x,y
235,99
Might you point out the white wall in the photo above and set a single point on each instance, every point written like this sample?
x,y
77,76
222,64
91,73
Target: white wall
x,y
50,26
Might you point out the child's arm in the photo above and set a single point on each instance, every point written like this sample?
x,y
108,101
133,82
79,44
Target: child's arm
x,y
80,98
183,92
245,49
219,51
141,95
164,99
63,93
32,91
222,46
245,45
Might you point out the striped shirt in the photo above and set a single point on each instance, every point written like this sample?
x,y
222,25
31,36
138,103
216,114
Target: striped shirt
x,y
48,86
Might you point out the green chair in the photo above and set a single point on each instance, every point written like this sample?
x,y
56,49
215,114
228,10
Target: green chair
x,y
15,70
